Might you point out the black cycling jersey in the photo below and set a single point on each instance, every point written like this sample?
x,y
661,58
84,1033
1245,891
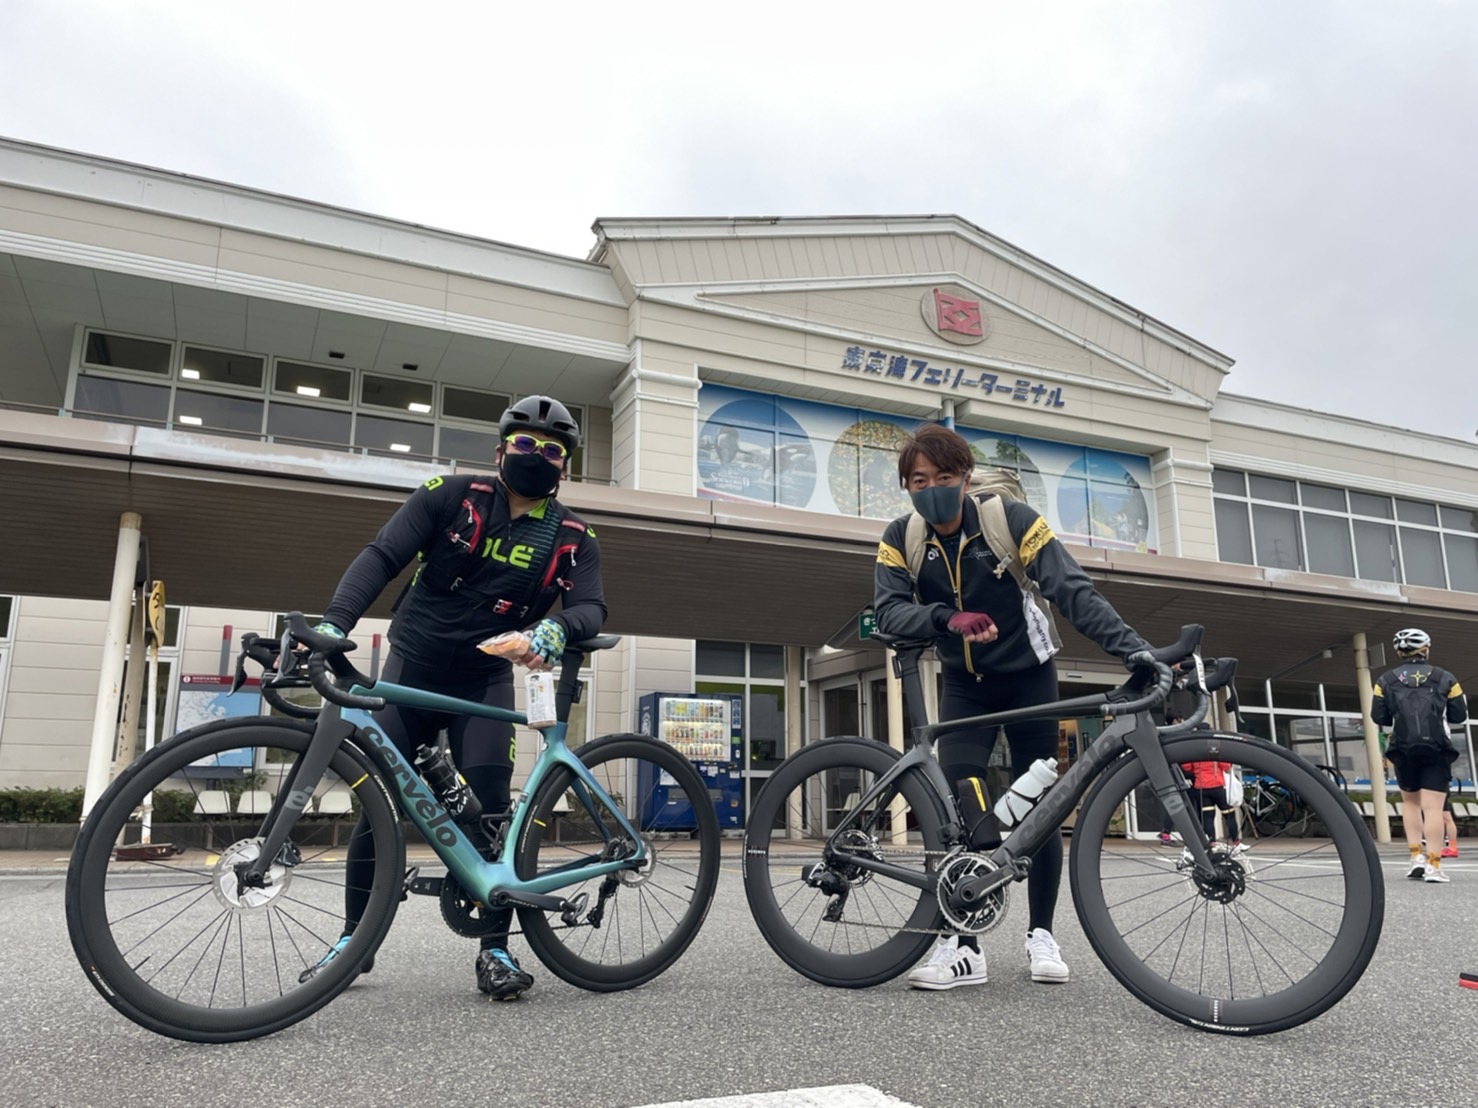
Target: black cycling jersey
x,y
482,572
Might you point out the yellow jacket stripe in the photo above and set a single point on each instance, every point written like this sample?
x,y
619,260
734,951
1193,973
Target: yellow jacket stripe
x,y
1033,541
891,556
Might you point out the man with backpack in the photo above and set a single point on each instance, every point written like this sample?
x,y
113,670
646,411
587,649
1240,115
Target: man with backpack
x,y
971,572
495,555
1416,702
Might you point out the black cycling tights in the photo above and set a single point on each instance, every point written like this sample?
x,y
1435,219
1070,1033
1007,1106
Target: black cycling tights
x,y
481,748
964,754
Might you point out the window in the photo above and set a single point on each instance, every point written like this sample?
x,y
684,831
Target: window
x,y
457,445
7,632
310,405
1330,549
1282,524
125,401
392,436
476,407
312,382
222,367
211,411
1233,532
1275,532
757,673
392,392
123,352
309,426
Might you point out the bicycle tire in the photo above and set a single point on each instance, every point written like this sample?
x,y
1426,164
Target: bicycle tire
x,y
1312,908
791,913
649,915
175,945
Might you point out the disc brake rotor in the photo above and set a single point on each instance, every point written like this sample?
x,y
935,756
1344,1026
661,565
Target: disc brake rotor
x,y
228,888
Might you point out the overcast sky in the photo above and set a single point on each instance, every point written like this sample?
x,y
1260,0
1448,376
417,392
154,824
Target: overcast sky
x,y
1291,183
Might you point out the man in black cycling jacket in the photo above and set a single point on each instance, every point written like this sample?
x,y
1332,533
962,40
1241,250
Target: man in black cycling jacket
x,y
496,553
995,648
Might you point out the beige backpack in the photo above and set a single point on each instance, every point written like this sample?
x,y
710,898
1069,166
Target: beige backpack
x,y
1005,485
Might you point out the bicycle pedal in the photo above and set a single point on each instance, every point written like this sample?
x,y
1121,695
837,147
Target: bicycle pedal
x,y
421,886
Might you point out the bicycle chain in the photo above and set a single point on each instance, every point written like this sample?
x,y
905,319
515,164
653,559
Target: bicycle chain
x,y
939,932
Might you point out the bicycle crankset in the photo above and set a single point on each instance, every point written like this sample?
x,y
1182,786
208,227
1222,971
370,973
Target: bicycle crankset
x,y
464,914
987,912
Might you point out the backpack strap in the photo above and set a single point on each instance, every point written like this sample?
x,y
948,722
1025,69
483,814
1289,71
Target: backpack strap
x,y
913,548
997,534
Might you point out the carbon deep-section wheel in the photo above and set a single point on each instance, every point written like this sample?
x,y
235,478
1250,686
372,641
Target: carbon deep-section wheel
x,y
826,916
169,934
1275,933
635,922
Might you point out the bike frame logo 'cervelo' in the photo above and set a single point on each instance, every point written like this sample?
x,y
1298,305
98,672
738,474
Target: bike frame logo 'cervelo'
x,y
418,797
954,314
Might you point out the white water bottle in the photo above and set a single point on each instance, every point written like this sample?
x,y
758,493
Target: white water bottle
x,y
1025,791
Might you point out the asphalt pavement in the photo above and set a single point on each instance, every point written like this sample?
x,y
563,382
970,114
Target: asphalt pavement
x,y
731,1020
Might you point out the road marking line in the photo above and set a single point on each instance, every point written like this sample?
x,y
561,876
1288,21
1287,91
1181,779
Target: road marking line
x,y
829,1096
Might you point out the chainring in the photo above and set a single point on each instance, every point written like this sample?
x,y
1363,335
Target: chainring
x,y
462,913
992,909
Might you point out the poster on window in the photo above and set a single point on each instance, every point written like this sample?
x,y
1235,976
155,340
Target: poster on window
x,y
793,453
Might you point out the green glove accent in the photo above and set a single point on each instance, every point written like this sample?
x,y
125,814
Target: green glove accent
x,y
548,640
330,630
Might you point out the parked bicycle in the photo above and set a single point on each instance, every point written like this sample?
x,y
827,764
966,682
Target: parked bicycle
x,y
856,860
610,856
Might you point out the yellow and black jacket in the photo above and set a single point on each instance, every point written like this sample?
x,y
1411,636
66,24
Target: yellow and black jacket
x,y
970,581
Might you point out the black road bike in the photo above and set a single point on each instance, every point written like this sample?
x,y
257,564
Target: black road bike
x,y
856,859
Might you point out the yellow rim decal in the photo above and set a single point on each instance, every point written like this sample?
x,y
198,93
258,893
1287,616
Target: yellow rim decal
x,y
361,781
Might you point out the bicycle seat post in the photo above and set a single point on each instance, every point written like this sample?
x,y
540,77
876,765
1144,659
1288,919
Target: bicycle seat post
x,y
906,669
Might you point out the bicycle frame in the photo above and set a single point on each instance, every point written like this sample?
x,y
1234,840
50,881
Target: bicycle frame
x,y
415,799
1135,732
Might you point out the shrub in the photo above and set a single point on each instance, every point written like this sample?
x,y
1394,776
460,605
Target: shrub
x,y
174,806
27,805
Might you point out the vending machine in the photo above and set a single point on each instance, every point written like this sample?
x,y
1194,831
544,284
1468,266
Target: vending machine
x,y
707,729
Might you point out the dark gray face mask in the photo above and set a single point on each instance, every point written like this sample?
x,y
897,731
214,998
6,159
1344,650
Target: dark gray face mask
x,y
938,504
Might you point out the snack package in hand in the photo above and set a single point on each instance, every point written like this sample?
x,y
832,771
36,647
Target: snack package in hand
x,y
510,644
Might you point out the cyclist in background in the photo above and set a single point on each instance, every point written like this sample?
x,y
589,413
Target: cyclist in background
x,y
495,555
1416,702
995,651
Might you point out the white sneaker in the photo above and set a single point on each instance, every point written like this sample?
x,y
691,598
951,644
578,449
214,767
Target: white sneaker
x,y
1435,876
950,966
1047,963
1418,868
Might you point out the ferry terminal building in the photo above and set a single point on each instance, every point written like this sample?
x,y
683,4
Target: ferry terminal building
x,y
253,383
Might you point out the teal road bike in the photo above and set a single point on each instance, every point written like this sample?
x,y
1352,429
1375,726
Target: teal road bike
x,y
609,854
857,858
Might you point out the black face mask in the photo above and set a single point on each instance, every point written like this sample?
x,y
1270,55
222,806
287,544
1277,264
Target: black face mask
x,y
529,475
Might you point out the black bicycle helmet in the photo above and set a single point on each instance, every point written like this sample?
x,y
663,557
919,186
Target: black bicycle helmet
x,y
541,414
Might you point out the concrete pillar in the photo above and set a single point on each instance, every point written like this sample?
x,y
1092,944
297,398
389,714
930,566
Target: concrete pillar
x,y
1372,739
110,676
895,740
125,750
795,736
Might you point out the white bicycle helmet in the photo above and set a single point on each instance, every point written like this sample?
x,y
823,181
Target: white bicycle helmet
x,y
1412,640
